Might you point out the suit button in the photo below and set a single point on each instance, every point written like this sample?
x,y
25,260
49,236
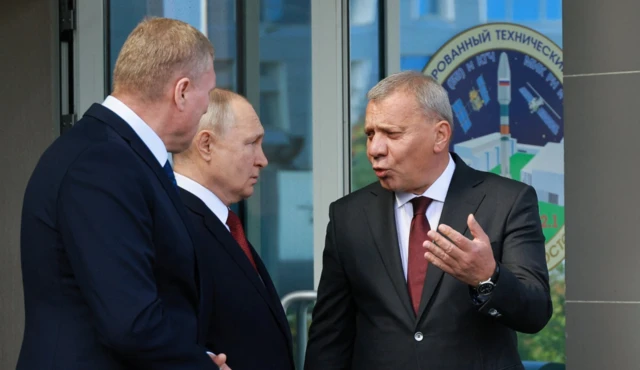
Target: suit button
x,y
493,312
418,337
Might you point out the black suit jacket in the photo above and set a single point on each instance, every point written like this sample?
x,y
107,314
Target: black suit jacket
x,y
247,321
109,268
363,317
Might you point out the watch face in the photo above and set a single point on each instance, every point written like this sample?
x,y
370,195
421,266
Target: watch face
x,y
485,288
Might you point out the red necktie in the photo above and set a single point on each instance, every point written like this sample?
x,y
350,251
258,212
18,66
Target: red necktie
x,y
235,226
417,264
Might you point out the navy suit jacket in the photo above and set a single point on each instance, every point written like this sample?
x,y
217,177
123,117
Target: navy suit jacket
x,y
248,323
109,269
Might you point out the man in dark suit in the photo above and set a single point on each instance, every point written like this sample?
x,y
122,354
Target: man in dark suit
x,y
220,168
436,265
111,276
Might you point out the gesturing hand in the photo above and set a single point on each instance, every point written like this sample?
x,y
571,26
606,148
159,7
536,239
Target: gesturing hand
x,y
470,261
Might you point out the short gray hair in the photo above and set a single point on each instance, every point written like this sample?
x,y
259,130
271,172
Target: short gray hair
x,y
431,96
219,117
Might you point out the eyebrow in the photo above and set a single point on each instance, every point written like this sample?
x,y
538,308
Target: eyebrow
x,y
383,126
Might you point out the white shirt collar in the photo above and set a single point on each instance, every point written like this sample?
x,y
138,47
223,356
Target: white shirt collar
x,y
437,191
146,133
210,200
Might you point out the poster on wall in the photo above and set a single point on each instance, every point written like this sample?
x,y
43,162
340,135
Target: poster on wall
x,y
505,86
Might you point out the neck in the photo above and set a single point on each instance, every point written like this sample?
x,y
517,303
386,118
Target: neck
x,y
154,114
190,169
441,163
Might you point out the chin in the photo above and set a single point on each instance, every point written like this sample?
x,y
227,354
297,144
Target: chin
x,y
178,148
385,184
389,185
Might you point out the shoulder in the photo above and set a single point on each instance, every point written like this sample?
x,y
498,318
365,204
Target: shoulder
x,y
492,184
361,196
502,186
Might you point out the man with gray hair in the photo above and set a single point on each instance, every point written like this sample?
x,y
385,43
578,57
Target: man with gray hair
x,y
436,265
112,279
220,168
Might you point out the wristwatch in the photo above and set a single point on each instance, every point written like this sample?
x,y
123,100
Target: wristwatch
x,y
486,287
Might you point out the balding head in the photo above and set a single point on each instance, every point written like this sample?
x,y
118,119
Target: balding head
x,y
220,115
226,154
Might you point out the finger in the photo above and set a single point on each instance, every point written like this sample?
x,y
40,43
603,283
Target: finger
x,y
475,228
456,238
434,260
441,254
219,359
446,245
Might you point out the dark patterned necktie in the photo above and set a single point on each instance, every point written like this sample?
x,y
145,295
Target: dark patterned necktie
x,y
235,226
417,264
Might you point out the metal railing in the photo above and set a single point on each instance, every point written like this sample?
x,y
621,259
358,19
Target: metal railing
x,y
305,298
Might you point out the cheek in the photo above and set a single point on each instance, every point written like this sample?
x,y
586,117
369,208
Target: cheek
x,y
241,165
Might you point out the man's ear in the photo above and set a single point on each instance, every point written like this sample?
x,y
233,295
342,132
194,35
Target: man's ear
x,y
204,143
443,136
180,93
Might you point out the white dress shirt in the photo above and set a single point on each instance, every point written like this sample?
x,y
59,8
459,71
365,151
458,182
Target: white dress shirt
x,y
210,200
404,210
146,134
206,196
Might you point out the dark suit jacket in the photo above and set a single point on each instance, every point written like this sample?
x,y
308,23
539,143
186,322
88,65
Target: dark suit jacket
x,y
363,317
248,323
109,268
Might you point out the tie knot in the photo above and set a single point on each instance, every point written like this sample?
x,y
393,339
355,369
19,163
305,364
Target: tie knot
x,y
420,205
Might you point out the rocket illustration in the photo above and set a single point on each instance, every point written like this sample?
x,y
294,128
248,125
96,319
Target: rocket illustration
x,y
504,98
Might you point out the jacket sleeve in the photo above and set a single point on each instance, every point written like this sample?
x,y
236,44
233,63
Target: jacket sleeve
x,y
106,227
332,331
521,299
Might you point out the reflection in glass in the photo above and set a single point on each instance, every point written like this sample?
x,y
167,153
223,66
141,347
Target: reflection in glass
x,y
214,18
365,72
285,208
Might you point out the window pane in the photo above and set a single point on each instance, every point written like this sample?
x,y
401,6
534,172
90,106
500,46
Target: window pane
x,y
215,18
286,184
363,12
271,10
364,74
526,55
221,30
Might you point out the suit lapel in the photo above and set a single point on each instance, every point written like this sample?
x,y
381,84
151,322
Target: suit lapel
x,y
223,236
463,198
382,224
123,129
128,134
274,302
